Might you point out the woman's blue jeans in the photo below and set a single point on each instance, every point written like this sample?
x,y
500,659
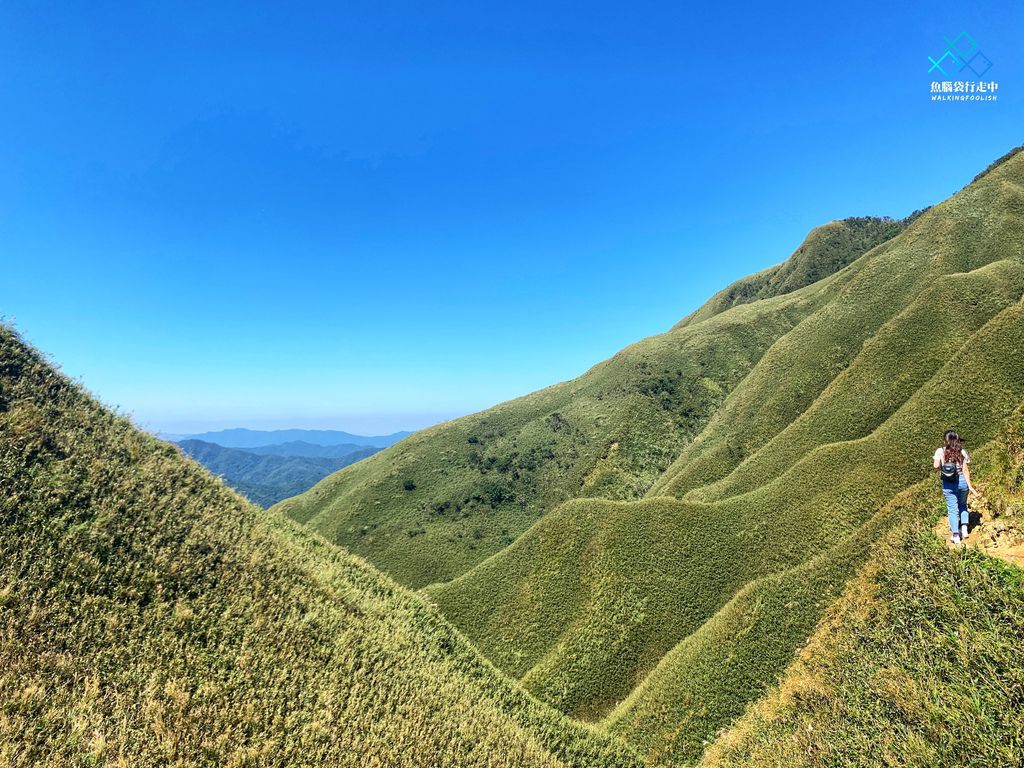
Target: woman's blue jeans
x,y
955,493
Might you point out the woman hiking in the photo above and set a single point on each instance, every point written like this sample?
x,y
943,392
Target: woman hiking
x,y
951,460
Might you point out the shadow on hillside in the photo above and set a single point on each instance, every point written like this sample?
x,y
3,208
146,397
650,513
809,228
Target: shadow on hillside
x,y
974,519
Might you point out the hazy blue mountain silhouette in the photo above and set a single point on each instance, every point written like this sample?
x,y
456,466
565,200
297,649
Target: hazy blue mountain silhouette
x,y
255,438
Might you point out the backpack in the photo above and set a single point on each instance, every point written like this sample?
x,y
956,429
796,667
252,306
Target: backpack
x,y
949,471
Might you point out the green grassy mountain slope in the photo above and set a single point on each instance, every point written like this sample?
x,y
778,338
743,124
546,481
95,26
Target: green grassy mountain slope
x,y
972,237
918,664
646,548
588,602
267,478
444,499
904,353
868,692
611,609
149,616
824,251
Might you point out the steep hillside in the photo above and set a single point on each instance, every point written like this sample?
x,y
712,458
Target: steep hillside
x,y
824,251
661,616
267,478
920,663
151,617
444,499
998,508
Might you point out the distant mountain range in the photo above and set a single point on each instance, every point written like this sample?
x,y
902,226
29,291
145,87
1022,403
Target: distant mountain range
x,y
272,474
302,448
256,438
268,466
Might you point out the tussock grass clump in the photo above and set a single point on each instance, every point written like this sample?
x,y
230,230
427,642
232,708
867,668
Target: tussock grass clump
x,y
151,617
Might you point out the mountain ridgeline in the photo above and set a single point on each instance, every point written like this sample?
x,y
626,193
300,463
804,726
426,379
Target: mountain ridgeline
x,y
645,547
826,250
716,548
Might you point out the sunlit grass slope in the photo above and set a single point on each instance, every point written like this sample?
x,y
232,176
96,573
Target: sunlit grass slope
x,y
999,508
442,500
151,617
825,250
601,597
920,663
889,367
701,685
598,610
588,600
899,313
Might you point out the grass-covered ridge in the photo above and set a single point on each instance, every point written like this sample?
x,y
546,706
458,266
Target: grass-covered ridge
x,y
444,499
149,616
919,664
824,251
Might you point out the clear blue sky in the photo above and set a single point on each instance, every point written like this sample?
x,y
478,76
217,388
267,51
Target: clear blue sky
x,y
370,216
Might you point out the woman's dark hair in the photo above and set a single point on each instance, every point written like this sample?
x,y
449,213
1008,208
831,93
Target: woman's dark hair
x,y
952,448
